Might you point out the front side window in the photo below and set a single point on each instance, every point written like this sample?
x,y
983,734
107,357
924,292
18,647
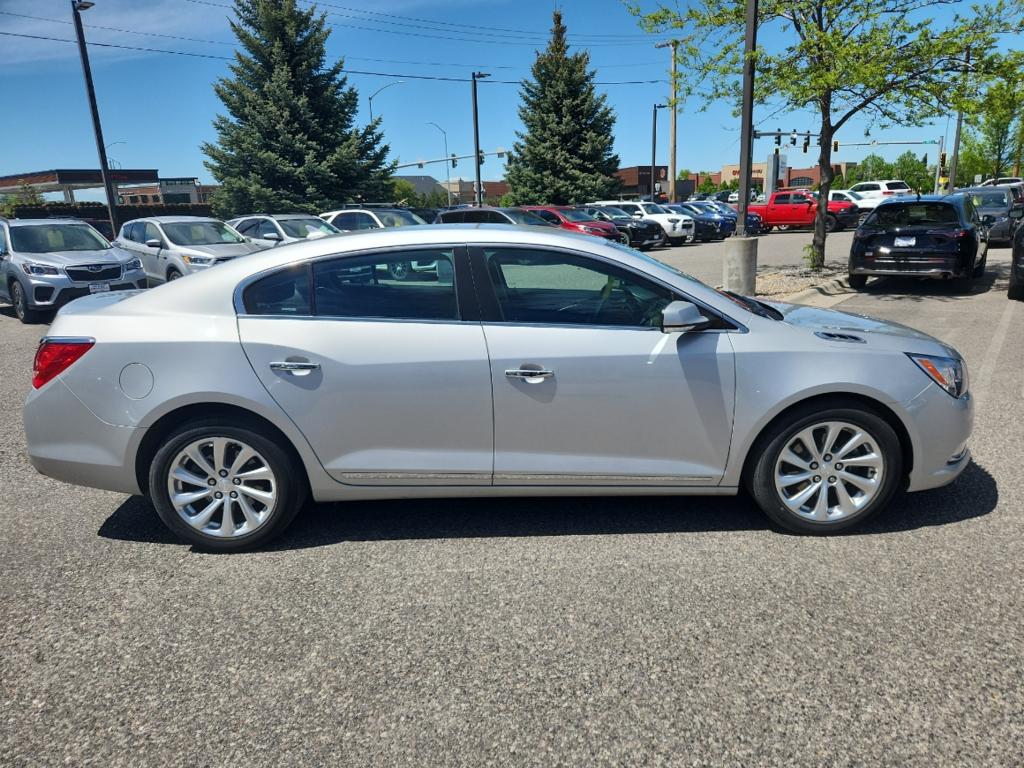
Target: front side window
x,y
548,216
534,286
200,233
571,214
783,199
43,238
414,285
266,228
150,232
247,226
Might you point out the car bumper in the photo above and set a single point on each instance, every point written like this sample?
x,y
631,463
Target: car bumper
x,y
938,266
54,292
943,426
67,442
850,218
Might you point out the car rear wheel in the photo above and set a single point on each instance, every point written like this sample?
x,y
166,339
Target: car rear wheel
x,y
857,282
19,300
979,271
1015,292
824,470
224,487
831,224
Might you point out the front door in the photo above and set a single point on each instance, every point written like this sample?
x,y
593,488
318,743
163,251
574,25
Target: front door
x,y
587,389
388,379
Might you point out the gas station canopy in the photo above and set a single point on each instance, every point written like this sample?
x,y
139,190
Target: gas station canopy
x,y
68,179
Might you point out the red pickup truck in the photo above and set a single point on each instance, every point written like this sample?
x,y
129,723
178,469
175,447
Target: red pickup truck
x,y
798,209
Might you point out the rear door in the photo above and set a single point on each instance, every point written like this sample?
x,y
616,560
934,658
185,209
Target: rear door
x,y
587,389
388,379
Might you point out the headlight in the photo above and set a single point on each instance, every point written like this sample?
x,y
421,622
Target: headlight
x,y
133,265
593,230
197,260
948,373
39,269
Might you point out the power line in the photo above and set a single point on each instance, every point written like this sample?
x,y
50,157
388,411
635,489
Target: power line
x,y
345,71
117,29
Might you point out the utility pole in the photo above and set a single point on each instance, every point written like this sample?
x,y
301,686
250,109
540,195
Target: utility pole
x,y
77,6
938,164
478,193
955,161
654,143
447,162
672,122
740,266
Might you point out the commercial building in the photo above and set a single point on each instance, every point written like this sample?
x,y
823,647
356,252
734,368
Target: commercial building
x,y
176,189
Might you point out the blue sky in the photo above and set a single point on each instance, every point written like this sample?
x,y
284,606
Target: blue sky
x,y
159,107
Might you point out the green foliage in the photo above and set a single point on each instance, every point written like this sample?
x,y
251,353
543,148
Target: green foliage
x,y
25,196
684,174
566,153
993,143
289,141
707,184
913,170
886,60
403,192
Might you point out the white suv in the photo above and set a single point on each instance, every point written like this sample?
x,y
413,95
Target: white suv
x,y
358,219
678,227
880,189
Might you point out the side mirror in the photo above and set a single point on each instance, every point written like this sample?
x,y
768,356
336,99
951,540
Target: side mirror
x,y
154,243
272,236
682,317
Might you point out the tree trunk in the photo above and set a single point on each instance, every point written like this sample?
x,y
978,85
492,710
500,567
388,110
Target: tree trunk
x,y
825,185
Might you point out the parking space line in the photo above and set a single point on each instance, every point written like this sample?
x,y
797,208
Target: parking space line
x,y
988,364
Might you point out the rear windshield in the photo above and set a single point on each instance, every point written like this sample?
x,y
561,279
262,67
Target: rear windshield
x,y
307,227
43,238
994,199
201,233
897,185
896,215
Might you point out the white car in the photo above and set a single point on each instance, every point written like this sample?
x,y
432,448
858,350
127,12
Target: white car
x,y
882,189
678,227
271,229
357,219
1002,181
864,204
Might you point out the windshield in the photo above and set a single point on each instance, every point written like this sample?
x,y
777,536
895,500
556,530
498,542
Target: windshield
x,y
933,214
399,219
989,199
201,233
307,227
43,238
525,217
574,215
653,208
615,213
854,195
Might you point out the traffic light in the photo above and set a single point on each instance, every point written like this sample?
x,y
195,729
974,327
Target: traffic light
x,y
480,158
807,143
778,141
942,160
455,160
835,146
792,137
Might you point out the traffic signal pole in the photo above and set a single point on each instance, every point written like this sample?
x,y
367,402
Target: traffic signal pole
x,y
478,192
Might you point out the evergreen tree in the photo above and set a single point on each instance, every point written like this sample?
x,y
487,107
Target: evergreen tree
x,y
565,154
289,141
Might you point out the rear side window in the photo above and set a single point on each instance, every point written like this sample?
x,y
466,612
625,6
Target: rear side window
x,y
282,293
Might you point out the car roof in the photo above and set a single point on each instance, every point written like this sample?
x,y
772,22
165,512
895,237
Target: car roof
x,y
952,199
277,216
1004,189
37,222
174,219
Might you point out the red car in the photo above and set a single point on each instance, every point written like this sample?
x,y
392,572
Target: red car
x,y
575,220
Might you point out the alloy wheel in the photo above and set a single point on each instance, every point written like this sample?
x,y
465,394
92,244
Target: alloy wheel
x,y
829,471
19,300
222,487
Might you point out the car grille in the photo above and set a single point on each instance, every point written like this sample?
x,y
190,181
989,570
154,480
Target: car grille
x,y
90,273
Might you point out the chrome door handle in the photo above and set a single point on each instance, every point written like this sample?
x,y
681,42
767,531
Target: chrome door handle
x,y
526,373
295,368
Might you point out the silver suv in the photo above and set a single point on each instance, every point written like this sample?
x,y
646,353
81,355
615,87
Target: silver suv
x,y
271,229
174,246
45,263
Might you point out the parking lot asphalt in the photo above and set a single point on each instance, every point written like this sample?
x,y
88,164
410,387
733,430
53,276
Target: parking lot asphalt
x,y
531,632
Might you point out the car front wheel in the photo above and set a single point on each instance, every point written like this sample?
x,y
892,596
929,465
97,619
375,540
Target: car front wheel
x,y
826,469
857,282
223,486
19,299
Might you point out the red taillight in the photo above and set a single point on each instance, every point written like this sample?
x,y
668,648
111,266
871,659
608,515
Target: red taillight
x,y
888,192
952,234
54,356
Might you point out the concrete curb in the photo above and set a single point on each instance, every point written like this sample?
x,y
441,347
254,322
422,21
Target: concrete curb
x,y
827,294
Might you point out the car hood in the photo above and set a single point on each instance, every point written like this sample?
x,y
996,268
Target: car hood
x,y
882,332
73,258
220,250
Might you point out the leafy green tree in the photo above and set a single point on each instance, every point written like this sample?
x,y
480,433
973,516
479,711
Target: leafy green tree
x,y
886,60
994,140
565,155
289,141
871,167
403,191
913,170
683,175
707,184
26,195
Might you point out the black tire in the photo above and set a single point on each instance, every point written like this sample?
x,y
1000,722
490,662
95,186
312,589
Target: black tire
x,y
857,282
675,242
767,449
831,223
173,274
1015,292
22,310
979,270
288,474
965,283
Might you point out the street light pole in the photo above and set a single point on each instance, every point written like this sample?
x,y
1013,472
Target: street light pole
x,y
955,159
672,122
654,143
383,87
77,6
478,192
447,162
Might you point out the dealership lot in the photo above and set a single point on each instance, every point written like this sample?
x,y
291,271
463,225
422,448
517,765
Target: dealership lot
x,y
618,631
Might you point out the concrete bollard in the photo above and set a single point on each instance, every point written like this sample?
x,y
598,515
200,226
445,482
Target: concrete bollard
x,y
740,267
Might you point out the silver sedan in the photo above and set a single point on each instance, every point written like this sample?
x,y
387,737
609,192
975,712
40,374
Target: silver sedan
x,y
535,363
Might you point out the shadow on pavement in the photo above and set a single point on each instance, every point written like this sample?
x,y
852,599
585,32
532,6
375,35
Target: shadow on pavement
x,y
996,277
973,495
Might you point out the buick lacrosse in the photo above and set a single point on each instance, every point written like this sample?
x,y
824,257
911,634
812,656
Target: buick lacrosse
x,y
529,362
